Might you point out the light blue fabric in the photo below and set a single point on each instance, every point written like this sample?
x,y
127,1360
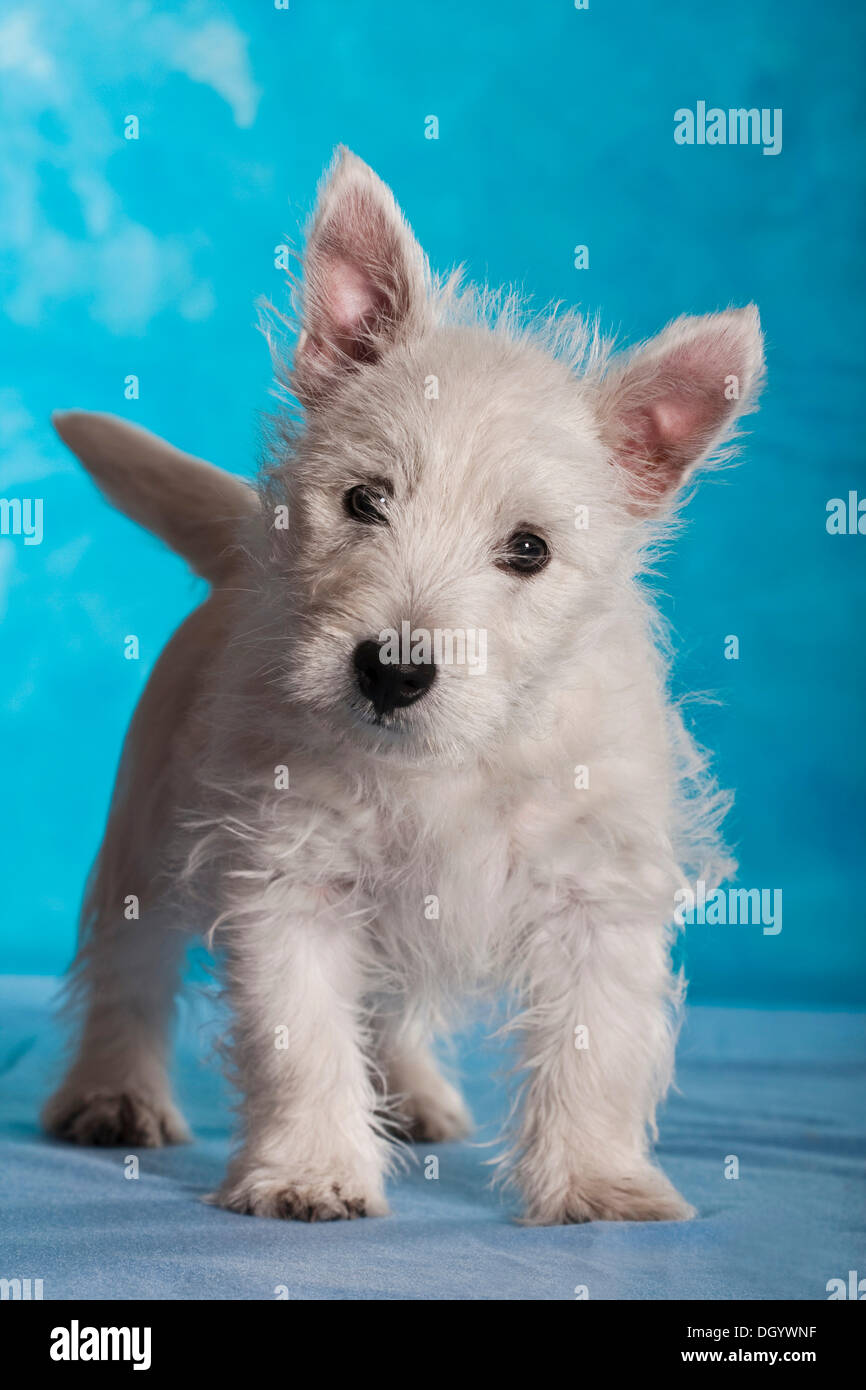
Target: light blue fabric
x,y
783,1093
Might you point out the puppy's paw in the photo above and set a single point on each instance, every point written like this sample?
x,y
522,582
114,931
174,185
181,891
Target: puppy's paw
x,y
109,1119
645,1195
434,1116
261,1192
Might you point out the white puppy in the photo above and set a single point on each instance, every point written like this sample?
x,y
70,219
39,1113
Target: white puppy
x,y
416,743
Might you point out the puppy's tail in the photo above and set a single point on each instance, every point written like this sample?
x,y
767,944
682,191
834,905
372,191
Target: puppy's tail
x,y
195,508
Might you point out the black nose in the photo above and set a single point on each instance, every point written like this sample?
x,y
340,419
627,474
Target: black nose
x,y
386,685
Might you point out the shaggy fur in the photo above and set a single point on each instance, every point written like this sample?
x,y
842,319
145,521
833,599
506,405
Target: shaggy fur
x,y
451,845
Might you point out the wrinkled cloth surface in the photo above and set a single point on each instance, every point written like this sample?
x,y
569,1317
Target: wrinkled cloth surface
x,y
777,1096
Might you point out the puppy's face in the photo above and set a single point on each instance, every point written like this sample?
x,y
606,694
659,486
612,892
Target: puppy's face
x,y
443,583
465,506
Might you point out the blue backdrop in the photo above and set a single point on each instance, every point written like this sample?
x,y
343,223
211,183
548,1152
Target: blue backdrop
x,y
144,257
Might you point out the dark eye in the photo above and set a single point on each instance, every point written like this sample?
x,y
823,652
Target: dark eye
x,y
524,553
368,502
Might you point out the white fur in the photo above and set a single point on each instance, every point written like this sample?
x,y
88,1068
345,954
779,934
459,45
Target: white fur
x,y
561,898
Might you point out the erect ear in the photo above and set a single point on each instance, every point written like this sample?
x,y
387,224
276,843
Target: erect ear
x,y
365,278
670,404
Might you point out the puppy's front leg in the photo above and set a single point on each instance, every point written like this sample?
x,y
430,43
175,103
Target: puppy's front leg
x,y
311,1150
599,1054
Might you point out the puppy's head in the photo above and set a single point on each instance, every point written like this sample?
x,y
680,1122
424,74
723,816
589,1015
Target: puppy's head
x,y
468,498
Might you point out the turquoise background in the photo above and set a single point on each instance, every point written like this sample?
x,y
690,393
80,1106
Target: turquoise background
x,y
556,129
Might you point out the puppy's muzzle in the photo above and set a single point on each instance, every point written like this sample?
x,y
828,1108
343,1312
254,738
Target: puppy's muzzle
x,y
386,685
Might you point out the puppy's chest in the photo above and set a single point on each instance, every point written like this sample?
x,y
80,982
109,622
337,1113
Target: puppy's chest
x,y
460,880
440,872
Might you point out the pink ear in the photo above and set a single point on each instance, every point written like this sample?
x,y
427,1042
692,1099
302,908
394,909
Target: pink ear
x,y
672,403
352,296
364,279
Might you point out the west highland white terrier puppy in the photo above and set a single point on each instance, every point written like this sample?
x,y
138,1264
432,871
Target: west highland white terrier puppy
x,y
417,743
